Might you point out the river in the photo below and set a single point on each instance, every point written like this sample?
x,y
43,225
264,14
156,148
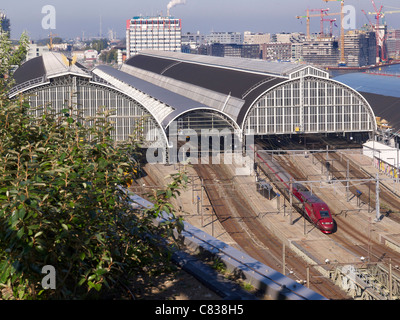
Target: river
x,y
388,70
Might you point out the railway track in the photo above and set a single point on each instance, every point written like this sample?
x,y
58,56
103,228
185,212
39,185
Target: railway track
x,y
241,222
347,234
390,203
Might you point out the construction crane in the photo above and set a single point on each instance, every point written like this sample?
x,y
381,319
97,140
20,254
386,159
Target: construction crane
x,y
324,13
331,22
51,36
342,61
380,32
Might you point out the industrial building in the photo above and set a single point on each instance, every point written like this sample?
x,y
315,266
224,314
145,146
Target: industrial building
x,y
154,33
155,90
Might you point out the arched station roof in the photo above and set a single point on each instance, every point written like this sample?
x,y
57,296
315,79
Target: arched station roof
x,y
236,81
266,97
305,94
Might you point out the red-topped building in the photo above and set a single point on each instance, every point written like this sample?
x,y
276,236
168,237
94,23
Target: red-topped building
x,y
154,33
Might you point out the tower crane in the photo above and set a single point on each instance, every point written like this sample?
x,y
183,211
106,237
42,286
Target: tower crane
x,y
51,36
324,13
381,36
331,21
342,61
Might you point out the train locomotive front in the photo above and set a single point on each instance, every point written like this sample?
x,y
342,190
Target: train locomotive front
x,y
318,211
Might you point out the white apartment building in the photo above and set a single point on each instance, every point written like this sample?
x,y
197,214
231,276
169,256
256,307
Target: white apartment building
x,y
256,38
35,51
155,33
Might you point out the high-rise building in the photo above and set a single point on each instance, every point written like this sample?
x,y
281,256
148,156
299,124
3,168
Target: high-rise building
x,y
155,33
4,24
359,48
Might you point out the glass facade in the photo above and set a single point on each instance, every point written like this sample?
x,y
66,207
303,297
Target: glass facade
x,y
88,97
309,105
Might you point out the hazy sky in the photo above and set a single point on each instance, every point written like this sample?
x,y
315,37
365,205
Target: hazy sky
x,y
74,17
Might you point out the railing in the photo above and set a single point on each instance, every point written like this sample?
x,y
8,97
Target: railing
x,y
259,84
25,85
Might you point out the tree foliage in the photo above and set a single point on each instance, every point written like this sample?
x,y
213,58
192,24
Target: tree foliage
x,y
61,204
110,56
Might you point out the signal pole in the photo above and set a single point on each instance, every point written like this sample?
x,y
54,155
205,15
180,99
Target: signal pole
x,y
378,211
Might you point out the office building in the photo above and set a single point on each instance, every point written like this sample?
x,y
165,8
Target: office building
x,y
154,33
250,51
288,37
276,51
359,48
225,38
321,52
256,38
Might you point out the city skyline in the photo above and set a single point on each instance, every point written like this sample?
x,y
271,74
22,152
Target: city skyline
x,y
89,18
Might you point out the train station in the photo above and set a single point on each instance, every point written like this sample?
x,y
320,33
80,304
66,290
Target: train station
x,y
158,89
295,115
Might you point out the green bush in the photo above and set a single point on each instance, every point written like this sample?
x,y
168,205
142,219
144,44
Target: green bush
x,y
61,205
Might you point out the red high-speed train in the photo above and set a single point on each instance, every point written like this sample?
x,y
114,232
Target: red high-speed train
x,y
316,209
